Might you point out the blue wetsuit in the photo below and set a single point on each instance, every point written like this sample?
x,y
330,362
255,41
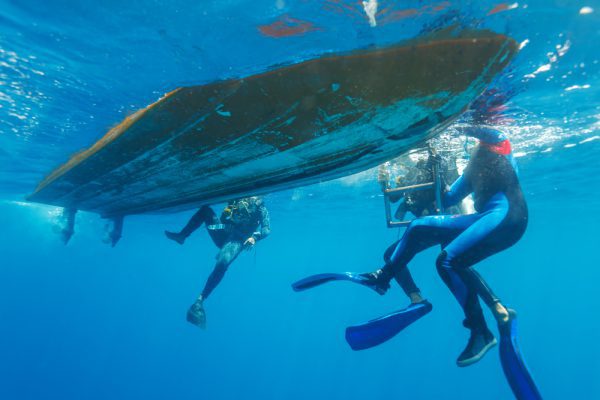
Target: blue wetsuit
x,y
500,221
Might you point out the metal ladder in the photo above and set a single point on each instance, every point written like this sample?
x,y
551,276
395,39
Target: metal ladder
x,y
436,185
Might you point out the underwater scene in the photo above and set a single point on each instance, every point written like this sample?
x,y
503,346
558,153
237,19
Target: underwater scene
x,y
308,199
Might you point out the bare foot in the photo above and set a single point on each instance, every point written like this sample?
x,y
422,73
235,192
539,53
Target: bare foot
x,y
416,298
501,313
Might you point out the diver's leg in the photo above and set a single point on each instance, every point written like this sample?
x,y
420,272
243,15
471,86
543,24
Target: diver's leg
x,y
497,241
481,338
426,232
421,234
225,257
455,261
67,222
484,238
407,283
404,277
489,235
510,229
463,292
387,254
114,230
204,215
217,231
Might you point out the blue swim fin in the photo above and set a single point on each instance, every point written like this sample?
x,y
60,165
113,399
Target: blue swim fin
x,y
319,279
379,330
514,367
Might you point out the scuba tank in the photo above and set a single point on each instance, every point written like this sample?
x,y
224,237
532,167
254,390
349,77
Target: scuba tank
x,y
241,210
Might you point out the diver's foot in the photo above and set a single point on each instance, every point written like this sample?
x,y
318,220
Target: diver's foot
x,y
416,298
111,239
502,313
377,280
65,236
196,314
177,237
114,240
479,344
510,316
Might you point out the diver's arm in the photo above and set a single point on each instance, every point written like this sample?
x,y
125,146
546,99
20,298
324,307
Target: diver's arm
x,y
401,211
395,197
265,224
409,179
460,189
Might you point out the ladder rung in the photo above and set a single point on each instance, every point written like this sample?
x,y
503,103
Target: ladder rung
x,y
420,186
398,223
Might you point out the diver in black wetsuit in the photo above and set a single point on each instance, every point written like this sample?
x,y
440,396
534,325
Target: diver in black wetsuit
x,y
419,202
66,227
500,221
66,224
235,230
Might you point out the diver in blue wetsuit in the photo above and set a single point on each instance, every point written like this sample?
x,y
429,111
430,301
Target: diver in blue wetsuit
x,y
236,229
500,221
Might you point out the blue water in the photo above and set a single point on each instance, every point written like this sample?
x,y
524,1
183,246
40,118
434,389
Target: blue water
x,y
89,322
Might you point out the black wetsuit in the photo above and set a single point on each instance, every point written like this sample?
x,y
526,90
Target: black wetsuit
x,y
500,221
229,232
421,202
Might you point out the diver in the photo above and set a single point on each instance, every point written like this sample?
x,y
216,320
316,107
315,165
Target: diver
x,y
236,229
66,224
419,202
113,230
500,221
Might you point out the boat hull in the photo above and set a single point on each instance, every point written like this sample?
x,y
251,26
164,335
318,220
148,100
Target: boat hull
x,y
290,126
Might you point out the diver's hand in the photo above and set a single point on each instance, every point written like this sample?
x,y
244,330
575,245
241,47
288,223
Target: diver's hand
x,y
249,243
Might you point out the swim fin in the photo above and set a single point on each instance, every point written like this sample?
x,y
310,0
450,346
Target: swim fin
x,y
319,279
379,330
514,367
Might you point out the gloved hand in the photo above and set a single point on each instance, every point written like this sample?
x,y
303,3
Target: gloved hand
x,y
249,243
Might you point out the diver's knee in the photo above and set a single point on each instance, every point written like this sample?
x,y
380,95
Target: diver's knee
x,y
420,226
387,255
223,260
442,263
205,212
415,223
446,263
